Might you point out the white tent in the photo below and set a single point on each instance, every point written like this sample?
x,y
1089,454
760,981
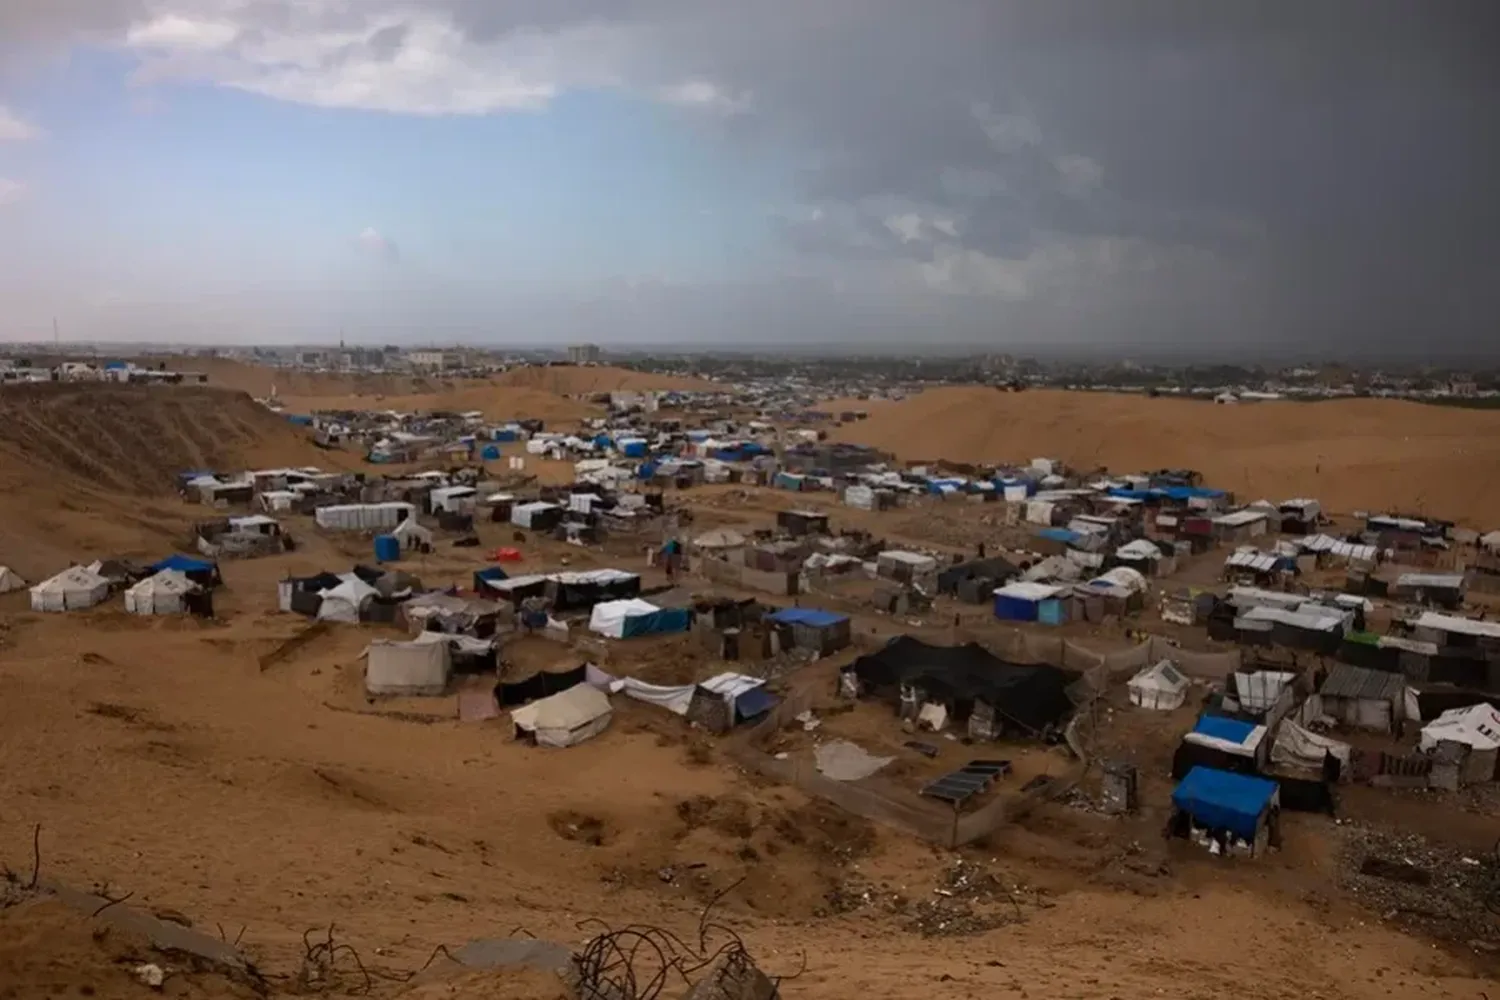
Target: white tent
x,y
73,588
162,594
412,535
608,617
1490,541
419,667
342,603
9,580
1161,687
565,719
1477,727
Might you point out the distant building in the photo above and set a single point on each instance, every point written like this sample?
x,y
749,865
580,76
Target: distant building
x,y
584,354
434,360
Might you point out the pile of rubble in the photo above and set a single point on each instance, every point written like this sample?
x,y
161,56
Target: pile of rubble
x,y
1424,886
968,898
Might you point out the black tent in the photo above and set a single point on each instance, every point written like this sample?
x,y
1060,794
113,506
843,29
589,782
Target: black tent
x,y
1031,696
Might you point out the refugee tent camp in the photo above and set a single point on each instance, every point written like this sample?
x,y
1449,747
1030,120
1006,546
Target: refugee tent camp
x,y
418,667
1160,686
72,589
564,719
10,581
165,593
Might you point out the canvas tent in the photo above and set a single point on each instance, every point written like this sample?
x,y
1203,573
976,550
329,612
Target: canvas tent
x,y
1161,687
343,602
72,589
10,581
412,535
419,667
564,719
165,593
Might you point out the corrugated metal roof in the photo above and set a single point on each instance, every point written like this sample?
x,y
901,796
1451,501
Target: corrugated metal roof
x,y
1436,581
1348,681
1261,562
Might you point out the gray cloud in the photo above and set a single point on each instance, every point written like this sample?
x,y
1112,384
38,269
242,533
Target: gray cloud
x,y
1109,171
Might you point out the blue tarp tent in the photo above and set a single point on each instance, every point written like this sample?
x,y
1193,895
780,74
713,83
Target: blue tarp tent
x,y
1223,800
300,419
753,703
1060,535
505,435
646,470
632,447
490,453
183,564
811,617
1222,728
487,575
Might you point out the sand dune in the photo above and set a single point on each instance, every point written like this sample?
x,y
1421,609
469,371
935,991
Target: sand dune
x,y
569,380
1352,454
258,380
91,469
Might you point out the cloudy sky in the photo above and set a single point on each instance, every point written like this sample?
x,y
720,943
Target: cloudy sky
x,y
1322,175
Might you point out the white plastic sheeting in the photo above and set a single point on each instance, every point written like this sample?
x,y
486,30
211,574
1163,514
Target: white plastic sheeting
x,y
1477,726
342,603
10,581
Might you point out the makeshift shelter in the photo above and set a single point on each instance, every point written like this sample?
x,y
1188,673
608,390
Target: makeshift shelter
x,y
71,590
564,719
1362,698
625,619
728,700
973,582
199,571
1023,601
1027,698
10,581
1222,743
344,602
1477,727
419,667
822,632
1231,811
1161,686
166,593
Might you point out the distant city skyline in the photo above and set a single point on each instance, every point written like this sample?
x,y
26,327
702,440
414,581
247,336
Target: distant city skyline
x,y
1140,176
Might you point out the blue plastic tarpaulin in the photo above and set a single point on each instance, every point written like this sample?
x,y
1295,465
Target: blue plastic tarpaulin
x,y
183,564
807,616
1223,800
1220,728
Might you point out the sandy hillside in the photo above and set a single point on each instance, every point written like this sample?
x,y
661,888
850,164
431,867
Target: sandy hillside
x,y
495,401
1351,454
93,467
569,380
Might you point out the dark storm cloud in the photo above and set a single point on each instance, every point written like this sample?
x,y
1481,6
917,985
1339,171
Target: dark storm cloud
x,y
1320,174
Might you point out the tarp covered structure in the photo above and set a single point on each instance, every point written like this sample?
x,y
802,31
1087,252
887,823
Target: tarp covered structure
x,y
1030,696
74,588
1477,727
419,667
564,719
1222,800
344,602
632,617
199,571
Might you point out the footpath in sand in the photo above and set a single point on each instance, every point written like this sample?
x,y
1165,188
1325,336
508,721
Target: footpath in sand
x,y
1356,454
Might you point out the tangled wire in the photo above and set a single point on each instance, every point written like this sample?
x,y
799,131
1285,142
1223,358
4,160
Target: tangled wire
x,y
637,961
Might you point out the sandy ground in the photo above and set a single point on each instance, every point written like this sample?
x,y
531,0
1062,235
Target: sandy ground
x,y
162,759
1350,454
